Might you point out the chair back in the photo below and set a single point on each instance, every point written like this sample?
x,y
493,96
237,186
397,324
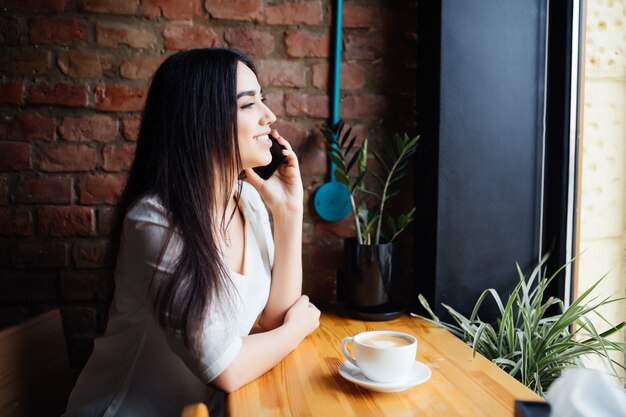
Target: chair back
x,y
35,377
195,410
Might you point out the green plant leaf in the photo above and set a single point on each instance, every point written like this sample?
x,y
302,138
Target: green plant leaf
x,y
342,177
358,181
533,347
355,157
381,161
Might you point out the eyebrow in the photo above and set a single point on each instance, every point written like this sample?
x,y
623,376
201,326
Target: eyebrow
x,y
251,93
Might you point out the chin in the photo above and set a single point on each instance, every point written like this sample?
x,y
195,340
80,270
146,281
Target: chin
x,y
257,162
264,163
265,159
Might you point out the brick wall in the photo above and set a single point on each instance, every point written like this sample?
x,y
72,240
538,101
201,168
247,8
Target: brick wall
x,y
73,77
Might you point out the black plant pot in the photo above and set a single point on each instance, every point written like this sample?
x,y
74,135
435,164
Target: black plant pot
x,y
372,280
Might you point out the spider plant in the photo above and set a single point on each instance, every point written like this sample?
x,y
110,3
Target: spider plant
x,y
529,343
368,205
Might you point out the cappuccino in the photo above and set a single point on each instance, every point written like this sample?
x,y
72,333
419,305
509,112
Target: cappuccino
x,y
385,341
382,355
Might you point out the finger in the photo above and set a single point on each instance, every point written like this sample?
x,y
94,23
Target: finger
x,y
281,140
291,158
254,179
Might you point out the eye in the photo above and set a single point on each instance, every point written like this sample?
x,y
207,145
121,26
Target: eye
x,y
247,106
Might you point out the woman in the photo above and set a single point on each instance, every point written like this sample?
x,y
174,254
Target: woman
x,y
196,262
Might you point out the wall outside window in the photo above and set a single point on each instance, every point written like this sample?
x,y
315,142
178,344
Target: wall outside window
x,y
603,180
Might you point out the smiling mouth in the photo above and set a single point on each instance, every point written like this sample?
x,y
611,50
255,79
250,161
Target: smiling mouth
x,y
262,138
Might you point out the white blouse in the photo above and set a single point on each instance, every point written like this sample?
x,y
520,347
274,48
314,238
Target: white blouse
x,y
136,368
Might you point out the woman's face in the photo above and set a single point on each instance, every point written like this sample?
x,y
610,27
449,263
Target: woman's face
x,y
253,120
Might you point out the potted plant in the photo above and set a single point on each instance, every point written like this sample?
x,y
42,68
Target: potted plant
x,y
529,340
372,276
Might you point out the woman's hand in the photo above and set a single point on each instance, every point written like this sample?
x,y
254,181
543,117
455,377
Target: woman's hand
x,y
282,192
303,316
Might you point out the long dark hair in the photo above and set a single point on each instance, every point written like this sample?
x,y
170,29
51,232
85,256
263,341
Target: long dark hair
x,y
187,155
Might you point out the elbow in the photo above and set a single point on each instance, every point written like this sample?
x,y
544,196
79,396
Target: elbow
x,y
228,381
270,322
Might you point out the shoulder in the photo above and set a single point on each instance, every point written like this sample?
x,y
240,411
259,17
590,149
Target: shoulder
x,y
251,196
148,208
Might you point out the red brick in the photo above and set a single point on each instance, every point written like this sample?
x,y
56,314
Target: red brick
x,y
403,79
109,6
356,16
30,127
363,106
68,95
77,64
86,285
281,73
293,132
97,128
289,13
100,189
15,221
130,127
398,19
48,190
359,47
28,286
140,67
120,97
90,254
301,44
38,254
179,9
299,104
247,10
4,190
57,31
118,157
105,221
187,36
15,156
66,221
276,103
343,228
313,161
40,6
9,31
68,158
251,41
79,319
352,76
114,35
25,62
12,92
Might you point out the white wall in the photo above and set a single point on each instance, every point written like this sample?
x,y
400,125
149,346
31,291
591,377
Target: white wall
x,y
603,200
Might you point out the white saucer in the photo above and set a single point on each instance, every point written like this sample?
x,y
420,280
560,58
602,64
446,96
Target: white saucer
x,y
418,374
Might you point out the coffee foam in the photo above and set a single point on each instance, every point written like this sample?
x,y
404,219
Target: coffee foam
x,y
385,341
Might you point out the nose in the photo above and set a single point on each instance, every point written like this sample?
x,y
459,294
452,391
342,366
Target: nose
x,y
268,116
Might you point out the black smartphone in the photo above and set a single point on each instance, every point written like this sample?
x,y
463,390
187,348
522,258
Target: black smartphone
x,y
277,158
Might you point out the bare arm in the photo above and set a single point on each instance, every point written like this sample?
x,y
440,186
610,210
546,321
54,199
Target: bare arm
x,y
286,286
283,194
261,352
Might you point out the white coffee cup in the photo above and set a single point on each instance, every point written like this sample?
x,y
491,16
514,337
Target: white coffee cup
x,y
382,355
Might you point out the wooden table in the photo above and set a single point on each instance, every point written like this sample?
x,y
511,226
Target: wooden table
x,y
307,382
